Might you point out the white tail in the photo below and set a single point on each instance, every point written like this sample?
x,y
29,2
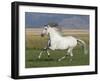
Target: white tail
x,y
84,45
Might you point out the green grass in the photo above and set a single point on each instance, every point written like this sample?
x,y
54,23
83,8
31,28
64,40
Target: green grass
x,y
34,44
32,60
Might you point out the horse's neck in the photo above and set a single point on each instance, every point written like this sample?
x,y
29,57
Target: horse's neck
x,y
54,34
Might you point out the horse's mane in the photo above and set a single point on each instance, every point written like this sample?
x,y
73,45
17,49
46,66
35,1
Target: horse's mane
x,y
58,30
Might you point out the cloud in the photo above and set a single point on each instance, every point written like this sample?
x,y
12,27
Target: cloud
x,y
64,20
74,22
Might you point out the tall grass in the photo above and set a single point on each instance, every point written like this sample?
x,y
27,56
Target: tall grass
x,y
38,42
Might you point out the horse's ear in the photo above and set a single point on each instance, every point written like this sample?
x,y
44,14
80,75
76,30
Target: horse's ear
x,y
45,25
48,25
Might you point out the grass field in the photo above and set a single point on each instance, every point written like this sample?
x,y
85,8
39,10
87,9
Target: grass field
x,y
34,43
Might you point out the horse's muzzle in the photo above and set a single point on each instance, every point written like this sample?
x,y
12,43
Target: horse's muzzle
x,y
42,35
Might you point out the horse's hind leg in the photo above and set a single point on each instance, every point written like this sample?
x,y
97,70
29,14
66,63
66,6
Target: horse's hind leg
x,y
63,57
69,52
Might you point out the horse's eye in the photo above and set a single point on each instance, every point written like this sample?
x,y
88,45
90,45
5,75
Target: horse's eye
x,y
45,28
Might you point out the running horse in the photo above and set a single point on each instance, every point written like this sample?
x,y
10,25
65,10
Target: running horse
x,y
58,42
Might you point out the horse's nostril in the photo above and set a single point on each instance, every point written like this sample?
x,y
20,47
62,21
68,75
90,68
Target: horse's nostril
x,y
42,35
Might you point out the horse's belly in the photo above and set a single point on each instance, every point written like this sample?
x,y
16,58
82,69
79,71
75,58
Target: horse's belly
x,y
62,45
58,46
67,43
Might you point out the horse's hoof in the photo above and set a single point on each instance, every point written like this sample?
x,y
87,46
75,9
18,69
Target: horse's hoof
x,y
59,60
70,60
38,57
48,56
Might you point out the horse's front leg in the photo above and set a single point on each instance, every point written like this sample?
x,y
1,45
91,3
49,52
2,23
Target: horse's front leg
x,y
48,53
42,52
45,49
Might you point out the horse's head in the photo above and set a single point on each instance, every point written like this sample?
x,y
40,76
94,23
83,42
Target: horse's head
x,y
49,29
45,30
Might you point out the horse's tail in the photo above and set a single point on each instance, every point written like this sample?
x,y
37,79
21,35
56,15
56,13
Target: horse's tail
x,y
84,45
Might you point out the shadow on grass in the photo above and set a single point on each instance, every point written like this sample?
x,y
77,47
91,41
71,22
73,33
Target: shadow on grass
x,y
41,60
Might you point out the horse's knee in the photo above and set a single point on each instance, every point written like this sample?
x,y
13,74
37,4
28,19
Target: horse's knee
x,y
71,54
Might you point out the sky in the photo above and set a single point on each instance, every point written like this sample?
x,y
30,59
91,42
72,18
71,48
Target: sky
x,y
71,21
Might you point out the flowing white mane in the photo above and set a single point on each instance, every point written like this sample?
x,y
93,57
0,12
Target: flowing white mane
x,y
56,30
